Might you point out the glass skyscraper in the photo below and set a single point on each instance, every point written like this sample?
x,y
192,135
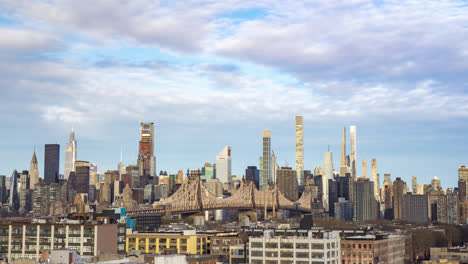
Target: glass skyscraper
x,y
51,163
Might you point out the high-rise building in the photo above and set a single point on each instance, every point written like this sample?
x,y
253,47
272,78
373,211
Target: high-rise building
x,y
51,163
398,191
274,167
365,206
146,159
93,175
414,184
462,189
414,207
343,167
463,173
14,197
353,160
287,183
265,177
34,171
121,166
82,176
364,168
180,177
70,155
375,179
207,172
343,210
300,150
387,178
223,165
328,174
3,189
25,192
253,174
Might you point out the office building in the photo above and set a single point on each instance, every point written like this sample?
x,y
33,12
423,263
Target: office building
x,y
25,192
365,206
253,174
352,156
265,176
328,174
146,159
398,191
207,172
43,196
343,210
51,163
373,249
33,171
375,180
223,165
82,176
300,150
3,189
414,208
14,195
29,240
287,183
185,242
462,190
301,248
70,155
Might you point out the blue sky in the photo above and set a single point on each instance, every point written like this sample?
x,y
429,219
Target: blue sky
x,y
216,73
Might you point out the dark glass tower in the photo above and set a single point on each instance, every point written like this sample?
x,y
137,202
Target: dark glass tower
x,y
51,163
82,176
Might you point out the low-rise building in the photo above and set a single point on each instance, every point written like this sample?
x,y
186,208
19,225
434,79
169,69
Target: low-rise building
x,y
238,254
220,245
373,249
318,247
29,240
185,242
450,254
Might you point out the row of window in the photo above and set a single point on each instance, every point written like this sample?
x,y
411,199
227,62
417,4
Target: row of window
x,y
161,240
358,246
291,245
358,254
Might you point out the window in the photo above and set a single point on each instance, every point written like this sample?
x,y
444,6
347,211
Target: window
x,y
359,245
302,246
152,240
302,255
141,241
365,245
257,245
370,245
257,253
162,241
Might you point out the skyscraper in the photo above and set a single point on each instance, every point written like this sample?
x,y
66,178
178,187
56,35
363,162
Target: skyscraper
x,y
3,189
365,207
274,167
252,174
375,179
364,168
463,173
223,165
287,183
14,197
343,167
146,159
299,150
352,134
51,163
398,191
70,155
82,176
414,185
328,174
265,177
33,171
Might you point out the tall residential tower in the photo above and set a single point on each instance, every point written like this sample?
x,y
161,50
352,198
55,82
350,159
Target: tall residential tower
x,y
299,150
146,159
352,135
265,177
328,174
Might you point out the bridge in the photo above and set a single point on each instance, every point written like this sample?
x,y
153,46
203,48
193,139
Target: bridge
x,y
193,197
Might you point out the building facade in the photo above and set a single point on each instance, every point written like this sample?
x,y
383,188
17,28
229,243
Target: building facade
x,y
82,176
414,208
365,206
223,165
287,183
51,163
353,158
319,248
70,155
373,249
265,176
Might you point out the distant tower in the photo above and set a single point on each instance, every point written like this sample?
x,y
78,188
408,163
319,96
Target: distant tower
x,y
223,165
51,163
328,174
352,132
121,167
265,178
180,177
70,155
146,159
463,173
14,196
299,150
414,185
82,176
343,168
364,168
33,171
375,179
274,167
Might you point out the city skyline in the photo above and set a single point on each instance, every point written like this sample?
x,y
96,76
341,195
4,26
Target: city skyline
x,y
241,170
212,75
